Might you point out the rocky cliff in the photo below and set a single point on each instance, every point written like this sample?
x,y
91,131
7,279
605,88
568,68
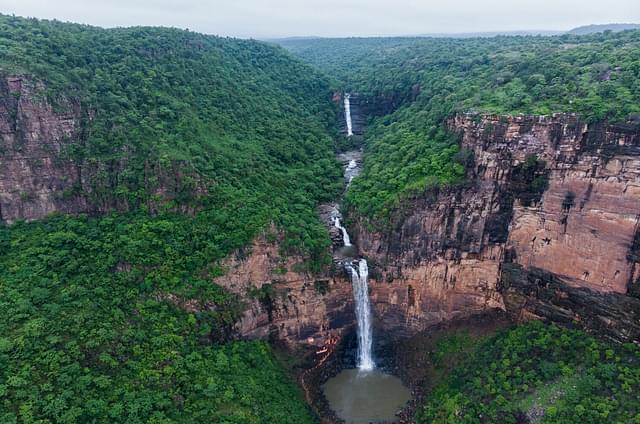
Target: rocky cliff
x,y
282,301
41,170
547,225
35,178
550,195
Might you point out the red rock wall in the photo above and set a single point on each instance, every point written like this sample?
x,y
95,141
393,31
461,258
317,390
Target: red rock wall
x,y
445,253
38,176
35,179
584,225
436,264
300,308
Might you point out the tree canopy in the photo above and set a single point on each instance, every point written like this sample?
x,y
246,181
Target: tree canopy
x,y
596,76
95,325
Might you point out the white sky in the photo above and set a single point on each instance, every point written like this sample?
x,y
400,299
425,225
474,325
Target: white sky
x,y
282,18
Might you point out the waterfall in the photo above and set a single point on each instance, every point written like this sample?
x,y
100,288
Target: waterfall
x,y
347,114
351,171
345,236
359,279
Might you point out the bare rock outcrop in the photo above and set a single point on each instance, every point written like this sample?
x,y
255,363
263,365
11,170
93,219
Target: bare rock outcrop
x,y
41,171
35,177
546,194
284,302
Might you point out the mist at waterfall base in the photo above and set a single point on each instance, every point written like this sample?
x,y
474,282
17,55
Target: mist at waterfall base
x,y
365,394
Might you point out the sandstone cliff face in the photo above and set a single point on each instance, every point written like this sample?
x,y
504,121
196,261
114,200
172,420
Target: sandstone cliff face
x,y
38,174
583,227
436,264
546,194
35,178
546,227
286,304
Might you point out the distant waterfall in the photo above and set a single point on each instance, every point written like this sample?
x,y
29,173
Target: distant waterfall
x,y
347,114
359,280
345,236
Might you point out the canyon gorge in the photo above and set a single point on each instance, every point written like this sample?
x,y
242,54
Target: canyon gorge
x,y
564,253
402,229
545,228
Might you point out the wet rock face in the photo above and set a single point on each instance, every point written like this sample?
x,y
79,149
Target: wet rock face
x,y
544,193
537,294
35,179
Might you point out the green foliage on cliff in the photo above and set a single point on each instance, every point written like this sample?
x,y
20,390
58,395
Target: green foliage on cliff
x,y
116,318
431,79
235,126
543,373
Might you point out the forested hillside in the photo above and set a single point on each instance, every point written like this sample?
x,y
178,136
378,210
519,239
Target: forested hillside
x,y
595,76
246,119
95,327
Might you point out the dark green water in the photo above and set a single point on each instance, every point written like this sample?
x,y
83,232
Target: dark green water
x,y
366,396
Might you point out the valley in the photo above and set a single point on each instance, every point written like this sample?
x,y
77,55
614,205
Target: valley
x,y
205,229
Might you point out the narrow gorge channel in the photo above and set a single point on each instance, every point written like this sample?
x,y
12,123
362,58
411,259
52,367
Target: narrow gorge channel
x,y
365,393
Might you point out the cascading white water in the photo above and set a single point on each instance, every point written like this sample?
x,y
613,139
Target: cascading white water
x,y
345,236
347,114
359,280
351,171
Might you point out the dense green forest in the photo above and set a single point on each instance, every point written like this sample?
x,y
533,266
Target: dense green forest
x,y
595,76
93,329
535,373
241,118
115,318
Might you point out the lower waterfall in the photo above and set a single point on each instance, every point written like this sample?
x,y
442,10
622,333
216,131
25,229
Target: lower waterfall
x,y
366,393
359,279
347,114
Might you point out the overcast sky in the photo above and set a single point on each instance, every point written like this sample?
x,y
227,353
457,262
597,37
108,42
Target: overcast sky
x,y
280,18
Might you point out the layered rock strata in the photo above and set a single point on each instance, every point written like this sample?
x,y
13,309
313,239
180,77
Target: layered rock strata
x,y
35,179
42,169
548,194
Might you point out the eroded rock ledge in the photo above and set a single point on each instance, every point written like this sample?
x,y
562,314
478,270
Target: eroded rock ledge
x,y
284,302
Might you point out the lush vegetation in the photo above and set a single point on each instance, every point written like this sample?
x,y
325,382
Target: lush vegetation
x,y
596,76
96,328
116,318
241,121
537,372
